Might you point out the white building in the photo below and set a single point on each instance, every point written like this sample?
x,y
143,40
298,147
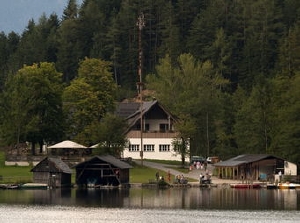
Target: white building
x,y
290,168
158,131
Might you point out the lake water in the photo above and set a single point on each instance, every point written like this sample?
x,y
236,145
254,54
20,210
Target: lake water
x,y
150,205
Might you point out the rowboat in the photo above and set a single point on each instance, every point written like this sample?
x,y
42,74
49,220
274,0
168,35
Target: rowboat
x,y
245,185
34,186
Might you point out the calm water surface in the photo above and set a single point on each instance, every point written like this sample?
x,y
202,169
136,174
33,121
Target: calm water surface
x,y
150,205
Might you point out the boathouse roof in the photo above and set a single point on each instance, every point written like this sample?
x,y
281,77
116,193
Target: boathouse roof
x,y
108,159
244,159
53,165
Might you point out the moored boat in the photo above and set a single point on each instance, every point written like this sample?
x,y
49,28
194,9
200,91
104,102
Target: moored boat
x,y
283,186
9,186
245,185
34,186
272,186
288,186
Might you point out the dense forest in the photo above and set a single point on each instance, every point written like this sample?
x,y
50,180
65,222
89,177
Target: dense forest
x,y
229,69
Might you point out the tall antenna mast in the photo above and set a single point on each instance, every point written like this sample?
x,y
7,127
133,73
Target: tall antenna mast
x,y
141,23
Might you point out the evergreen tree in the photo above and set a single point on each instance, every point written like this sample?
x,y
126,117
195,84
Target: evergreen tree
x,y
68,54
285,134
13,44
203,30
3,58
128,41
27,51
170,34
289,59
71,11
37,43
253,122
225,145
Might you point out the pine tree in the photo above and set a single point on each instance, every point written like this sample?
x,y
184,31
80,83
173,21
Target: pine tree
x,y
68,54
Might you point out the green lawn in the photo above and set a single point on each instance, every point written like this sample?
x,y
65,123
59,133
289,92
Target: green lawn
x,y
14,174
142,174
18,174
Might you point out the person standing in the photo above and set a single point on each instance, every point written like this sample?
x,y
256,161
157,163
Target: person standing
x,y
280,176
200,178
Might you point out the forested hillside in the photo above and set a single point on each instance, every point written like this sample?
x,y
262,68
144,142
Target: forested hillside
x,y
228,68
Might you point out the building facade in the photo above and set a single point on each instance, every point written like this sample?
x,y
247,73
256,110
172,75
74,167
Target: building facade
x,y
102,171
154,139
254,167
53,172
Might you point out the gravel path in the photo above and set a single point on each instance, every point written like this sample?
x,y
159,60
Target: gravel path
x,y
193,174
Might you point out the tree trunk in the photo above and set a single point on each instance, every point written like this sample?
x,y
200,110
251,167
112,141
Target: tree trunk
x,y
41,143
207,136
33,148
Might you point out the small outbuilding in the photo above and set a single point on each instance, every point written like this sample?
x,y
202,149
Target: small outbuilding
x,y
102,171
53,172
68,148
251,167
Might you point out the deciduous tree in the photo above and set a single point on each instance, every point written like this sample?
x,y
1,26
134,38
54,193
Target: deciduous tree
x,y
110,135
88,98
32,106
190,90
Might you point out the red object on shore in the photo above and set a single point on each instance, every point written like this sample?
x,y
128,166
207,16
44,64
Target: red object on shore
x,y
245,186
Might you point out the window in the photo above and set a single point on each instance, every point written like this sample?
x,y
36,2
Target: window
x,y
149,148
146,127
164,148
163,127
134,148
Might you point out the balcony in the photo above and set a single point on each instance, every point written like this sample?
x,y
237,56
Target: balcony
x,y
151,134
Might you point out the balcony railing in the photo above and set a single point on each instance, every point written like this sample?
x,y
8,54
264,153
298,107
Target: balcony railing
x,y
151,134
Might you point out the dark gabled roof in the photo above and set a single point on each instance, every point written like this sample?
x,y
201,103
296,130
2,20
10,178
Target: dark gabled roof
x,y
244,159
131,111
108,159
128,110
125,109
53,164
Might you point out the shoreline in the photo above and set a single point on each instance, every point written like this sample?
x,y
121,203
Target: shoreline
x,y
220,183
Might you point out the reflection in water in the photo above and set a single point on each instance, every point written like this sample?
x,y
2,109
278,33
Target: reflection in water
x,y
103,198
215,198
174,198
224,205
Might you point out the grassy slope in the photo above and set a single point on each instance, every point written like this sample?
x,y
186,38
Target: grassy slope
x,y
142,174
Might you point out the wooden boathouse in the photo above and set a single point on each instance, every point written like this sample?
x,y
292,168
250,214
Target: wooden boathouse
x,y
102,171
250,167
53,172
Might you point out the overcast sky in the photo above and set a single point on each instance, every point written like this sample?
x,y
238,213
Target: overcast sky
x,y
15,14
